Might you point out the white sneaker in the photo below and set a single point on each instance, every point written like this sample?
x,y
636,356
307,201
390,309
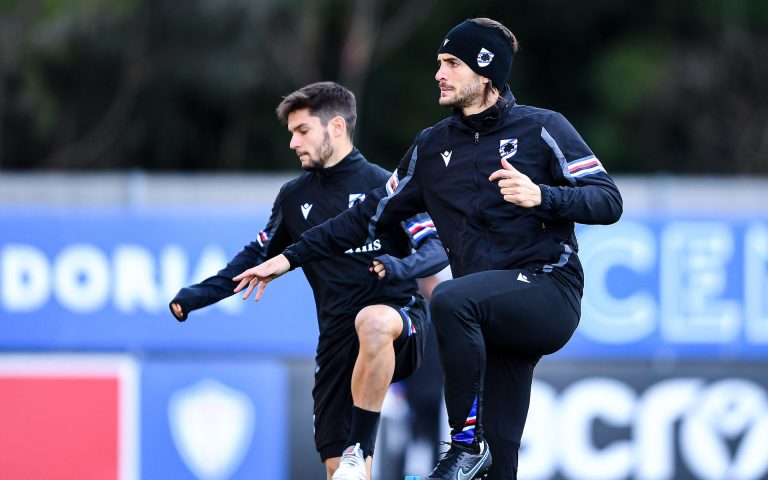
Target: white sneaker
x,y
352,465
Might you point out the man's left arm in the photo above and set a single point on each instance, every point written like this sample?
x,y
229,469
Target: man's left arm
x,y
428,257
587,193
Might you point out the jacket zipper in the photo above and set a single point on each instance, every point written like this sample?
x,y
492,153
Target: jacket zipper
x,y
477,208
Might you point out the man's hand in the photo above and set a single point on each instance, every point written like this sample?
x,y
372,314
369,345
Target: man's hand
x,y
261,275
515,187
379,269
177,311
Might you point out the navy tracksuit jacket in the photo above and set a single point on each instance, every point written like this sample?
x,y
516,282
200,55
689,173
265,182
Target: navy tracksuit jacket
x,y
445,172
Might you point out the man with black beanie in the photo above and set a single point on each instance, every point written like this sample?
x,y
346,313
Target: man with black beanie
x,y
505,184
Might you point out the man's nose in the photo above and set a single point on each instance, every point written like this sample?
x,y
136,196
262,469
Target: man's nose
x,y
441,73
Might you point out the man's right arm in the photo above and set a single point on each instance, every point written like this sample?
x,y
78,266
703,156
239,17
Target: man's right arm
x,y
269,242
382,208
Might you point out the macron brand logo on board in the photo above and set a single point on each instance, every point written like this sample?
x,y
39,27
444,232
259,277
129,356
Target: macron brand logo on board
x,y
446,157
305,210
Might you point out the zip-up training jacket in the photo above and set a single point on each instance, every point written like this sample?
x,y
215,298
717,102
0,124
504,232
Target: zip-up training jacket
x,y
445,172
342,285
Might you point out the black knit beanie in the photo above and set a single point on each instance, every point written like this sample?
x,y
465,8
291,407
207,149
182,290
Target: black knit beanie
x,y
484,49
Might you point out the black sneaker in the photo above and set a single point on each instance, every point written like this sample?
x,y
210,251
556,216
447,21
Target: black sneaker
x,y
463,463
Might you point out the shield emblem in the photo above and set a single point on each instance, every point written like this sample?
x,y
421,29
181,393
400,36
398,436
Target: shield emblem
x,y
507,148
212,427
484,58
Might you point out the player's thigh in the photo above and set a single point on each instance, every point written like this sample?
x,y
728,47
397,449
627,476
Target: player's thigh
x,y
535,318
517,309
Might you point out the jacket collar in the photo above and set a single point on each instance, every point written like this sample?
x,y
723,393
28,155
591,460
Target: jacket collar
x,y
488,118
351,163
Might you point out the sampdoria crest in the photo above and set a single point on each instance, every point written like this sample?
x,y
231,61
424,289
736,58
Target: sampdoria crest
x,y
507,148
484,58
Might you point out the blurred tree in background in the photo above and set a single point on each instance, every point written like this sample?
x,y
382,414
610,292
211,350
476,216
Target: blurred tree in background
x,y
653,86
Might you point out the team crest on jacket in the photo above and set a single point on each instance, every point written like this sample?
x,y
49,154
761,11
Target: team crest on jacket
x,y
484,58
507,148
355,197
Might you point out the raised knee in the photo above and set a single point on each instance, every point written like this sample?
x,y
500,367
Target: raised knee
x,y
376,323
443,300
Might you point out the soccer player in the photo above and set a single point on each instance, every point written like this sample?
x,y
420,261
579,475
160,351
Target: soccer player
x,y
372,320
505,184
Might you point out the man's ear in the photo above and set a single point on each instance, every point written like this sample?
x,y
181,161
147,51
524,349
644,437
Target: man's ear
x,y
338,126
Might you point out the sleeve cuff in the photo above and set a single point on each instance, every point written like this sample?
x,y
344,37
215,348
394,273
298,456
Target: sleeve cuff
x,y
295,255
547,197
389,267
184,310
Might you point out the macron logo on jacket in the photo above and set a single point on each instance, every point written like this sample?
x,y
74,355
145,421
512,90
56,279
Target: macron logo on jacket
x,y
446,156
305,210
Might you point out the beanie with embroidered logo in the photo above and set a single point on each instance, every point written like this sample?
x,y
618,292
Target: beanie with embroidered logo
x,y
482,48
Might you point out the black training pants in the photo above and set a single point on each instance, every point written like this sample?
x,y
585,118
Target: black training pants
x,y
492,328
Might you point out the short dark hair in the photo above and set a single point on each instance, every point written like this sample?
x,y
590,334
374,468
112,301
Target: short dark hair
x,y
487,22
324,100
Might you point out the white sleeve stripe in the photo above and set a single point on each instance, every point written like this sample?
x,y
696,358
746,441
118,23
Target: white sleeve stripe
x,y
588,171
424,232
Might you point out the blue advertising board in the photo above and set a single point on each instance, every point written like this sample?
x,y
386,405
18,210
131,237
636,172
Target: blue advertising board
x,y
103,278
669,287
674,285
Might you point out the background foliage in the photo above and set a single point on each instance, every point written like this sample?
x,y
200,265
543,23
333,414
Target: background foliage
x,y
653,86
